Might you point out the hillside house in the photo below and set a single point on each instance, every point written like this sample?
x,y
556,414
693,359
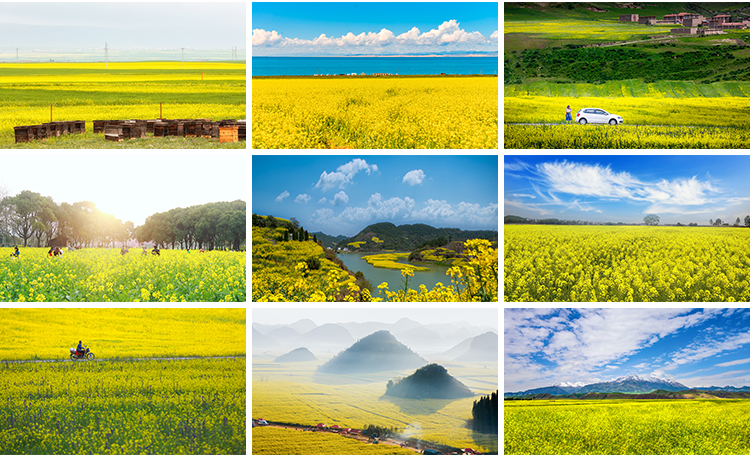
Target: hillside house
x,y
684,31
629,18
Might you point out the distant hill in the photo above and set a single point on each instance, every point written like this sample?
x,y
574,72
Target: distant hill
x,y
303,325
410,236
261,341
627,385
658,394
482,348
297,355
283,334
429,382
328,240
458,349
377,352
327,335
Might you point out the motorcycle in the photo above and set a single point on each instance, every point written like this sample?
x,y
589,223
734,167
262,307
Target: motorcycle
x,y
86,354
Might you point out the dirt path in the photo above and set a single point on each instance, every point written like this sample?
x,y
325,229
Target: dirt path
x,y
408,443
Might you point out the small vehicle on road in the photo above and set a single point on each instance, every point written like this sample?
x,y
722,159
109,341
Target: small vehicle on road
x,y
85,354
592,115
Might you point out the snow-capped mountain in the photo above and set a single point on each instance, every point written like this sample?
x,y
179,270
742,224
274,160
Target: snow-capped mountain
x,y
632,384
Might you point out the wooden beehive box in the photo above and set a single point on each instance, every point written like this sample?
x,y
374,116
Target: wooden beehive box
x,y
160,129
228,134
23,133
113,132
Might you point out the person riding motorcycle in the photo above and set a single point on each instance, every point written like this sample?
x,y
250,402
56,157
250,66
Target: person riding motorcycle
x,y
80,349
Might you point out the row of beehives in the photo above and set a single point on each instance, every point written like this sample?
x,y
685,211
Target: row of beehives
x,y
117,130
224,130
27,133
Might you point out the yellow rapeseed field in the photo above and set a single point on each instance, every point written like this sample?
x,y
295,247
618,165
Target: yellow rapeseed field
x,y
48,333
367,113
626,263
294,393
124,407
275,440
133,90
627,427
103,275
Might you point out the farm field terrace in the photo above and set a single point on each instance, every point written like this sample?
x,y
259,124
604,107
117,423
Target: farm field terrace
x,y
124,407
549,263
104,275
375,113
275,440
120,333
618,427
132,90
295,393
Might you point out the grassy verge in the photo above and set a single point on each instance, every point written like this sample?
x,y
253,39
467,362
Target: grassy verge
x,y
90,140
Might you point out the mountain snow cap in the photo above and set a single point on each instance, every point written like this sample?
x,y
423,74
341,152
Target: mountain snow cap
x,y
570,385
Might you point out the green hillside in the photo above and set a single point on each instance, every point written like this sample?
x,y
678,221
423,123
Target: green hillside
x,y
409,236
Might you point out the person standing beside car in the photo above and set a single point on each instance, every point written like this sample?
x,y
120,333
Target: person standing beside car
x,y
568,116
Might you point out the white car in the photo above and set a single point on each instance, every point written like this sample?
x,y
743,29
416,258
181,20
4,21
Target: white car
x,y
585,116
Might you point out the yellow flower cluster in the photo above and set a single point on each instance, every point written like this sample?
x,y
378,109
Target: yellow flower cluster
x,y
375,113
626,263
626,427
104,275
124,407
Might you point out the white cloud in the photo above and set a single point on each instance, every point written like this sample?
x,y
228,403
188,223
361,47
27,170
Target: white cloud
x,y
414,177
582,342
734,362
303,198
344,174
262,37
447,34
340,198
595,183
282,196
322,200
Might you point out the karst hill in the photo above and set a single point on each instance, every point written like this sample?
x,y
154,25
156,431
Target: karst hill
x,y
301,354
377,352
429,382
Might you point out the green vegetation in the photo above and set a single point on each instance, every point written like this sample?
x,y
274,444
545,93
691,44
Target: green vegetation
x,y
124,407
705,60
484,414
410,236
617,427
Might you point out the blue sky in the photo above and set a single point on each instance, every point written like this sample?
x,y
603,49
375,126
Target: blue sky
x,y
696,347
681,188
340,195
354,28
81,29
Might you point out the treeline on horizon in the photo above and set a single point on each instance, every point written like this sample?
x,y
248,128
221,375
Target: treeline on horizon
x,y
512,219
484,414
658,394
31,216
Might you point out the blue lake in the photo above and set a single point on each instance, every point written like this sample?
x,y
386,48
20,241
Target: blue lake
x,y
308,66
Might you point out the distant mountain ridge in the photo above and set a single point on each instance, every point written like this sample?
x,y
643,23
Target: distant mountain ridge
x,y
632,384
429,382
407,237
